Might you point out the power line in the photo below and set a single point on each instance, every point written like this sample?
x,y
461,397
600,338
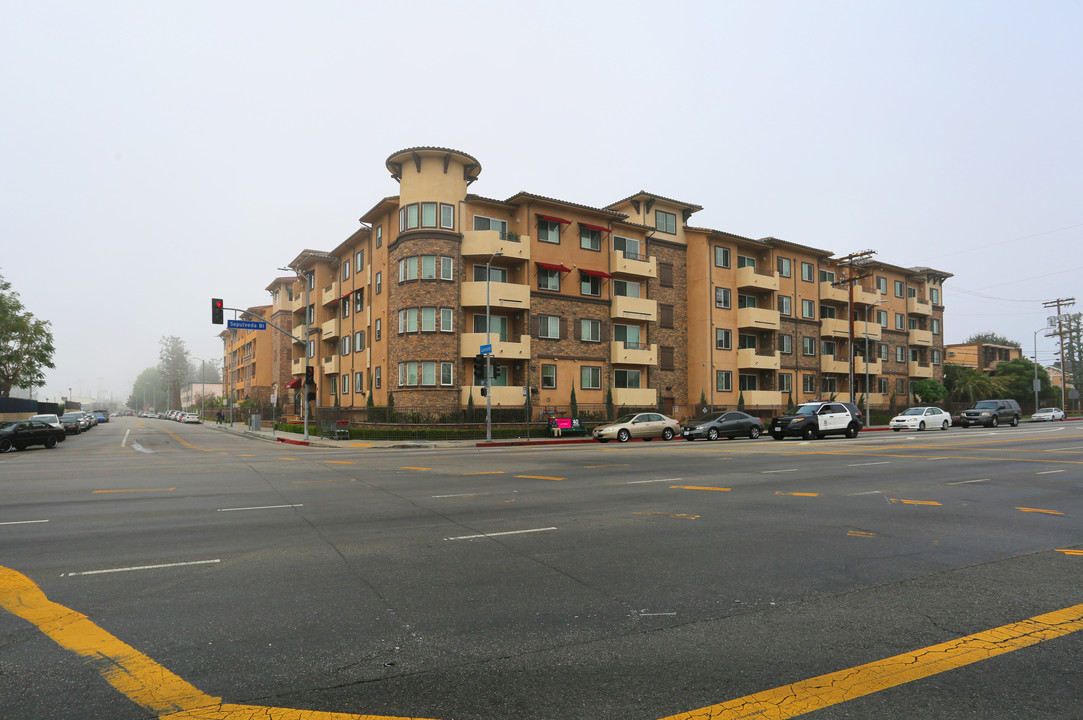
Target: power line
x,y
1005,242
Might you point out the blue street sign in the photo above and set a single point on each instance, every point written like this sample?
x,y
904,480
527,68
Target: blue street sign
x,y
486,349
246,325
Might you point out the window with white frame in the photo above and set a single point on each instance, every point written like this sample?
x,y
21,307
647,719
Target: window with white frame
x,y
498,324
900,288
747,382
722,297
548,279
590,377
723,338
746,301
808,345
378,328
883,386
626,288
447,216
829,384
935,356
785,382
549,327
590,330
808,383
428,267
344,307
590,285
881,315
447,268
344,346
746,341
496,274
900,353
379,235
408,320
934,325
785,344
548,231
359,260
827,276
629,247
359,300
785,267
881,351
447,373
378,376
487,223
428,214
900,321
808,272
346,270
345,384
665,222
447,320
934,296
379,283
359,382
627,378
548,376
428,373
428,319
721,256
723,380
828,347
828,312
332,384
785,305
881,284
808,309
590,239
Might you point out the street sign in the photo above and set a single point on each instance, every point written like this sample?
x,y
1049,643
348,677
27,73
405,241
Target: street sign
x,y
1054,320
246,325
486,349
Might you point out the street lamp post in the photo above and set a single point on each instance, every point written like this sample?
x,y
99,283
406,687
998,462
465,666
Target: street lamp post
x,y
1036,384
489,355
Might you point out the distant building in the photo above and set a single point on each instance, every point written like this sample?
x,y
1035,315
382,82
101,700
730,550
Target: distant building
x,y
191,393
980,356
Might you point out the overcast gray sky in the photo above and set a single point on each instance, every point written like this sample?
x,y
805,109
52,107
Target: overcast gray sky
x,y
156,154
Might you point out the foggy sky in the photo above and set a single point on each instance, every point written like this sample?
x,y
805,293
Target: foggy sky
x,y
153,155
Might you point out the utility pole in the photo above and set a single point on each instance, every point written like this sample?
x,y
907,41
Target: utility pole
x,y
1067,303
848,262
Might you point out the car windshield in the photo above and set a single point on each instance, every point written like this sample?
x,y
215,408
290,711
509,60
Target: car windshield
x,y
915,411
1046,410
986,405
808,409
624,419
709,417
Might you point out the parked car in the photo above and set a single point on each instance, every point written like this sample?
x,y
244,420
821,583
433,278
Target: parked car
x,y
101,415
79,417
1048,415
647,425
920,418
23,433
190,418
816,419
71,425
728,424
53,420
991,413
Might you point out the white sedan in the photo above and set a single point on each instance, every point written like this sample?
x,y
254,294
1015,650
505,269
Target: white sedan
x,y
920,418
189,417
1048,414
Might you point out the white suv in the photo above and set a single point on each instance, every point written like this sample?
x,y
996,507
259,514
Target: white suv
x,y
816,419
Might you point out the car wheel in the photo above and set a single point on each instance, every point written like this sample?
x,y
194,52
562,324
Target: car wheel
x,y
808,433
5,445
623,436
852,430
945,425
754,433
896,429
712,434
50,442
667,434
1015,421
994,422
964,424
921,425
777,436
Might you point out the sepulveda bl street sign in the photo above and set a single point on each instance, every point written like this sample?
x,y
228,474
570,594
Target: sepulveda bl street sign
x,y
246,324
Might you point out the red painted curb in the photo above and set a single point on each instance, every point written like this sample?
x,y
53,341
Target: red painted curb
x,y
292,442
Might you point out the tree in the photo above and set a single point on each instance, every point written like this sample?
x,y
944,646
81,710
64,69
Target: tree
x,y
1016,378
146,389
609,404
930,392
574,405
173,368
969,385
26,344
991,338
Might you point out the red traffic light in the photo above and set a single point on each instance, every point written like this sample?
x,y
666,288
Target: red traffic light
x,y
216,310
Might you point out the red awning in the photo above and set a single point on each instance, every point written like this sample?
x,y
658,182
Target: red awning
x,y
551,266
553,218
595,273
346,296
295,383
599,228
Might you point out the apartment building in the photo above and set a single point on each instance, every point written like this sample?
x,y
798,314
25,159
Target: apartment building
x,y
247,361
629,302
981,356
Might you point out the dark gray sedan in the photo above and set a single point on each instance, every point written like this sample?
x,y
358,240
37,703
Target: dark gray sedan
x,y
23,433
728,424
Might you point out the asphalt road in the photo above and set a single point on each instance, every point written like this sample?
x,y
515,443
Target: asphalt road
x,y
152,569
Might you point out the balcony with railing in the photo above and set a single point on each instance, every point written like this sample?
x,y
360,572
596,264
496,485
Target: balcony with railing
x,y
508,349
633,353
917,306
330,365
330,329
920,369
752,277
503,295
624,262
330,294
831,364
483,243
860,365
866,296
923,338
759,318
833,293
635,397
754,359
633,308
835,327
762,398
297,367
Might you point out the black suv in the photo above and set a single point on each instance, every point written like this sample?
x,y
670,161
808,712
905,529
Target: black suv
x,y
991,413
816,419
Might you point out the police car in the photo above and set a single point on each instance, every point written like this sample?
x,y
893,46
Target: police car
x,y
819,418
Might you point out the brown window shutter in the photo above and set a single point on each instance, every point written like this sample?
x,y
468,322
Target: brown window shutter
x,y
665,274
665,315
665,358
603,332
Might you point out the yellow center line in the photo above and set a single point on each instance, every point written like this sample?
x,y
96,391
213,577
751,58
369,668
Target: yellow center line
x,y
798,494
485,472
819,692
539,477
408,467
1039,510
698,487
915,502
1071,552
602,466
93,492
339,462
182,441
143,681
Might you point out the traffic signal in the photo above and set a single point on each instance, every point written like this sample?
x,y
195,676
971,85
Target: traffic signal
x,y
216,311
310,377
479,369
